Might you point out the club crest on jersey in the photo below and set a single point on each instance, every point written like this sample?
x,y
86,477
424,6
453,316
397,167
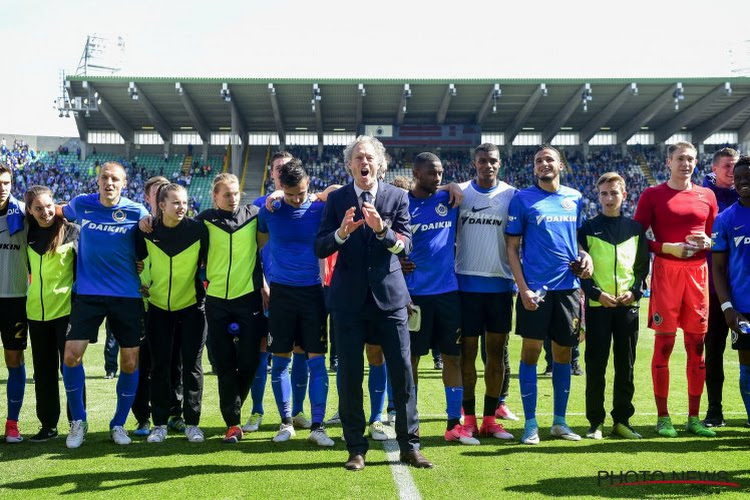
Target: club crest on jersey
x,y
658,319
568,204
441,210
118,215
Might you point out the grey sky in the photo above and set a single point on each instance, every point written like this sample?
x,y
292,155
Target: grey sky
x,y
388,38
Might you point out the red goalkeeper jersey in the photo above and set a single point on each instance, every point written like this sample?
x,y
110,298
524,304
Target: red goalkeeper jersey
x,y
672,215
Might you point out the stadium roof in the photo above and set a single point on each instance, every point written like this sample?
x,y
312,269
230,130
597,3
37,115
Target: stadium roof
x,y
284,105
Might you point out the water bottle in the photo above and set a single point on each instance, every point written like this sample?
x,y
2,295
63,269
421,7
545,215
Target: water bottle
x,y
276,205
540,294
744,327
233,329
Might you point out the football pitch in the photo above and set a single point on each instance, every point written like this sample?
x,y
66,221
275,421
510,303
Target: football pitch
x,y
258,468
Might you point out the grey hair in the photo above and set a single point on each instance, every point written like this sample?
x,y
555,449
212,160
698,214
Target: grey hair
x,y
377,146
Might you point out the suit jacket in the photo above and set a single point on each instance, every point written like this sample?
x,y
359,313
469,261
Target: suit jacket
x,y
364,261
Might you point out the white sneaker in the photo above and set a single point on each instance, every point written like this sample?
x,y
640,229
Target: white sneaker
x,y
158,434
194,434
319,437
377,432
300,420
253,423
392,418
335,419
563,431
77,434
286,432
119,435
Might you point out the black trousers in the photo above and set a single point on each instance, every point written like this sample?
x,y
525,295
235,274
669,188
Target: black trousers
x,y
388,329
616,327
716,343
48,349
235,356
166,329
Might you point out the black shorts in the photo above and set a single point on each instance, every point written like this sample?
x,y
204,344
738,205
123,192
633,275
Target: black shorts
x,y
558,318
297,316
740,342
14,328
125,314
441,324
486,312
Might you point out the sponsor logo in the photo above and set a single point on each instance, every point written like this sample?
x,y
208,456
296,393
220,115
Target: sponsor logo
x,y
555,218
491,220
512,218
741,240
475,209
657,319
107,228
737,228
576,325
441,210
415,228
118,215
10,246
568,204
88,211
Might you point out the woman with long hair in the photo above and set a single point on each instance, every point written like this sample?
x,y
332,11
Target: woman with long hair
x,y
52,247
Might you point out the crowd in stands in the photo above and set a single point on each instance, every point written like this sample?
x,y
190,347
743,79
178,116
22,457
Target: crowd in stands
x,y
67,176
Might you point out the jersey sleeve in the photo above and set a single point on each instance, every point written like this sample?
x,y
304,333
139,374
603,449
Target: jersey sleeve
x,y
644,212
720,242
142,212
583,231
263,220
515,216
69,210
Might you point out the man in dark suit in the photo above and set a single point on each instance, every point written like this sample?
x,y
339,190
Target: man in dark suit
x,y
367,222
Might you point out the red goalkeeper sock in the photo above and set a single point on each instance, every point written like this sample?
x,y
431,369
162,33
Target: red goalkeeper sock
x,y
696,371
663,345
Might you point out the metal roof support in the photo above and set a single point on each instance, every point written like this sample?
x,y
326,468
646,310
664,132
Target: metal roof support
x,y
317,107
361,93
705,129
199,123
633,125
161,125
405,95
114,118
450,92
743,134
517,124
83,130
553,127
596,122
682,119
277,114
485,107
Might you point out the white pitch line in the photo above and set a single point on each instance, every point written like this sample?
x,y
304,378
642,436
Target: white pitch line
x,y
407,489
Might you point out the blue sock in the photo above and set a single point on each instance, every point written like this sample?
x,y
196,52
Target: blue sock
x,y
127,385
376,383
299,382
527,383
745,387
282,385
561,388
501,400
258,389
453,398
318,388
16,387
74,379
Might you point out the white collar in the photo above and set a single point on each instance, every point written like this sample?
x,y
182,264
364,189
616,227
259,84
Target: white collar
x,y
373,191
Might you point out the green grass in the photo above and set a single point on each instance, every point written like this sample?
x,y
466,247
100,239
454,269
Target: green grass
x,y
258,468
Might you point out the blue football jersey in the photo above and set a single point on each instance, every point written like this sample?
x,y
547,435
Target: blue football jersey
x,y
106,246
433,229
292,232
731,235
547,223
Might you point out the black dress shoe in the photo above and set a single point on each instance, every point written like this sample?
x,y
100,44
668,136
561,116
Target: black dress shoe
x,y
356,462
416,459
714,421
